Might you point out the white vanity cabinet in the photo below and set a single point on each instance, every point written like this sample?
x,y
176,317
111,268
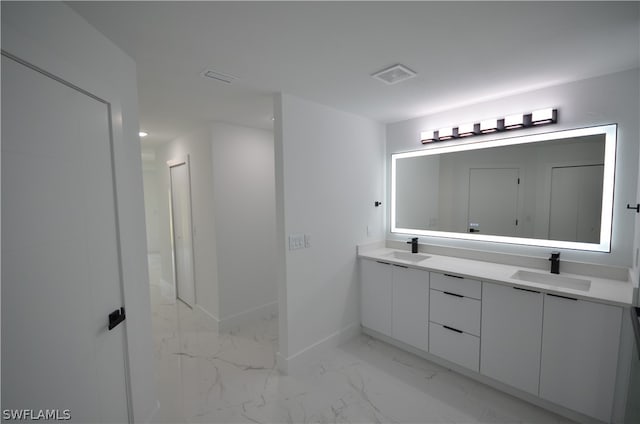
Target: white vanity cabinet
x,y
580,354
376,296
511,335
395,302
550,346
410,311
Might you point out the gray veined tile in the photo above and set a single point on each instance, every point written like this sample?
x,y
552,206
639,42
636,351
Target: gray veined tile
x,y
206,377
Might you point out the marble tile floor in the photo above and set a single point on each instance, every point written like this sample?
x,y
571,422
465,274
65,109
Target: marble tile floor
x,y
205,377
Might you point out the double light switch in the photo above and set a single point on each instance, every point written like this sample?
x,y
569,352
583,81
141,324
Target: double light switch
x,y
299,241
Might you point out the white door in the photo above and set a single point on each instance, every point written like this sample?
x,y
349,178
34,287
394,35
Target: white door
x,y
182,231
493,201
576,203
61,272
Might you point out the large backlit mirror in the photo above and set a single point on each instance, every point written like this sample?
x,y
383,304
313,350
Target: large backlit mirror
x,y
552,189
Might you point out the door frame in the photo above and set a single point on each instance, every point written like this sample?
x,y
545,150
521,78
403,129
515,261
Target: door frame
x,y
171,163
109,74
125,342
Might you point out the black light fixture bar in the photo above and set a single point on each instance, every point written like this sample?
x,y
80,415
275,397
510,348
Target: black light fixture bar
x,y
489,126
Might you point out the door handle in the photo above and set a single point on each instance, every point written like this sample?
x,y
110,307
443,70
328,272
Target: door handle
x,y
116,317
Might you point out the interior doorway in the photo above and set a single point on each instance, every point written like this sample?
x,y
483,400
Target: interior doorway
x,y
182,230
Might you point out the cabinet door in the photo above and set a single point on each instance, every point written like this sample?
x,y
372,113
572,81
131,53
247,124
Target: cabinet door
x,y
580,355
410,312
375,296
511,336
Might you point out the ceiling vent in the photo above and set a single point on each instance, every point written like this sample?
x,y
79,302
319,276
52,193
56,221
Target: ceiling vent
x,y
218,76
395,74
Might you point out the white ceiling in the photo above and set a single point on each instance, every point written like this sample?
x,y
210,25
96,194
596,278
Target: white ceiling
x,y
463,52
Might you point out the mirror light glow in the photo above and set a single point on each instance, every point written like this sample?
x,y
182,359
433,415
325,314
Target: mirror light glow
x,y
609,131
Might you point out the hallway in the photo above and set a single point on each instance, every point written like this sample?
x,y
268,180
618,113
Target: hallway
x,y
205,377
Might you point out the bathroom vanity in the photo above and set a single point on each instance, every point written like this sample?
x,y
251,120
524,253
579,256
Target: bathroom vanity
x,y
550,339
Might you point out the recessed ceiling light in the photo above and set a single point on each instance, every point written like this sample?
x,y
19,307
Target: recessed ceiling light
x,y
394,74
143,134
218,76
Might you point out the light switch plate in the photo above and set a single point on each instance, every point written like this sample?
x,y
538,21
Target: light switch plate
x,y
296,241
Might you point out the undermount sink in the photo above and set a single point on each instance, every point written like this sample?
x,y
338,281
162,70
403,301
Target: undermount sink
x,y
553,280
408,256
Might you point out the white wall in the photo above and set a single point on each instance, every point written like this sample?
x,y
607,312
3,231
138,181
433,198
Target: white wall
x,y
197,145
329,172
233,208
53,36
152,200
244,210
603,100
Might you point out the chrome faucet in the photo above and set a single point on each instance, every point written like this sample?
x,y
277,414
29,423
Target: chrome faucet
x,y
414,244
555,262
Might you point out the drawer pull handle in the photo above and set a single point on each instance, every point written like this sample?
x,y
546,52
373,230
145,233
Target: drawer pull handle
x,y
453,294
452,329
453,276
527,290
400,266
384,263
562,297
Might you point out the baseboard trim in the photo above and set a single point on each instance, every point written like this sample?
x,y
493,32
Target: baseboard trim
x,y
267,310
214,321
298,362
152,414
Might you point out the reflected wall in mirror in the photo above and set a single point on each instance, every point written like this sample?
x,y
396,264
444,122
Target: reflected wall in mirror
x,y
553,189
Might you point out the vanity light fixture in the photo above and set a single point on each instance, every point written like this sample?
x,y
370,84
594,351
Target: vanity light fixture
x,y
466,130
446,133
488,126
428,136
511,122
142,134
544,116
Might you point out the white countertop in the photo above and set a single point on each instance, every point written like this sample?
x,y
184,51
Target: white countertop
x,y
614,292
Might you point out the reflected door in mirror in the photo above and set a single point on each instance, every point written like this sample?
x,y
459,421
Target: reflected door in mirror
x,y
493,201
576,202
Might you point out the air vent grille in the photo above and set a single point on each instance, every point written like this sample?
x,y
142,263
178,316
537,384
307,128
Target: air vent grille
x,y
218,76
395,74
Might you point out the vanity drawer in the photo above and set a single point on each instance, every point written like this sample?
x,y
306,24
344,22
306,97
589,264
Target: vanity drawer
x,y
460,348
458,285
461,313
